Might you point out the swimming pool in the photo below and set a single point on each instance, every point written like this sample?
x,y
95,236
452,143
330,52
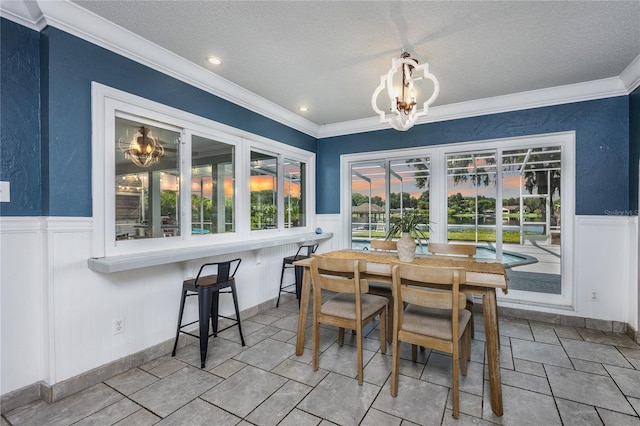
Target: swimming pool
x,y
509,259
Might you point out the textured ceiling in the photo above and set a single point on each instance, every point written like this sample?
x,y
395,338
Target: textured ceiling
x,y
329,55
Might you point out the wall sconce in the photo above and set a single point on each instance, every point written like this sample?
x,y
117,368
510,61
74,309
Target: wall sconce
x,y
403,111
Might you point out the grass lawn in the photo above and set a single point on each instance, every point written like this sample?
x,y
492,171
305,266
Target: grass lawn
x,y
488,235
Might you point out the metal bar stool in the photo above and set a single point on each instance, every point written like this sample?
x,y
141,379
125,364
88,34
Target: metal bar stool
x,y
208,289
304,252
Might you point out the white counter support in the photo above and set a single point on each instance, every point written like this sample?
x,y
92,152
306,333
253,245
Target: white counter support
x,y
108,265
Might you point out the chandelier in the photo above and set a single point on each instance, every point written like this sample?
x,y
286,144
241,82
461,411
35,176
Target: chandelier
x,y
403,98
143,149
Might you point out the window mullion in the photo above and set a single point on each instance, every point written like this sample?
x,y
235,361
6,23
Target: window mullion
x,y
185,183
280,192
499,203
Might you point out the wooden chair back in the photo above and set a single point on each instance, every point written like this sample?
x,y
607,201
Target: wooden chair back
x,y
384,245
338,275
468,250
407,277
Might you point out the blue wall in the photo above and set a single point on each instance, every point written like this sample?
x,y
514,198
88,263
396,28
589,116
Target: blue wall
x,y
602,148
20,119
68,66
45,144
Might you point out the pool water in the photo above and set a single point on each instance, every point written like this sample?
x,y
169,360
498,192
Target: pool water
x,y
509,259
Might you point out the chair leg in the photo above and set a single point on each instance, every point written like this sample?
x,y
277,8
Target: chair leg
x,y
359,349
395,365
464,358
175,344
414,353
235,305
316,343
280,289
204,313
472,328
383,331
215,303
469,307
390,321
340,336
456,380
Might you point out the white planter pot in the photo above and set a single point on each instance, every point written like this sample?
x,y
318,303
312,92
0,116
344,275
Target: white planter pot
x,y
406,248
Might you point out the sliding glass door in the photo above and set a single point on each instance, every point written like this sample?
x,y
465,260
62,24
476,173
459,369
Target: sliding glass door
x,y
511,198
531,217
384,190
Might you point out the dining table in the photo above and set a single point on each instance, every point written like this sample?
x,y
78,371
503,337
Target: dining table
x,y
482,278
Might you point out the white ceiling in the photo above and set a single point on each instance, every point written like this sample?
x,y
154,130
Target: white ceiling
x,y
329,55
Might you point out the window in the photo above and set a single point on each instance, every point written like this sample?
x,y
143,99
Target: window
x,y
295,194
471,196
147,199
384,190
212,186
264,191
166,179
502,195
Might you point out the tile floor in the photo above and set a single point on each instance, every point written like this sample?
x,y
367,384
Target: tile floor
x,y
551,375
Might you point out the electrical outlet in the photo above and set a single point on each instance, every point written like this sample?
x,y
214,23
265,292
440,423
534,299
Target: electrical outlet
x,y
594,296
118,325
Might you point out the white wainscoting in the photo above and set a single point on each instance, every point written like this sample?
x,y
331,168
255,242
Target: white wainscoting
x,y
606,249
57,314
330,223
22,302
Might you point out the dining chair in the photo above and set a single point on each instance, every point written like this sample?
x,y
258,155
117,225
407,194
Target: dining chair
x,y
433,317
464,250
304,252
351,307
384,289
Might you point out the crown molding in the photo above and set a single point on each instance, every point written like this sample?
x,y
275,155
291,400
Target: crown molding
x,y
24,13
631,75
73,19
579,92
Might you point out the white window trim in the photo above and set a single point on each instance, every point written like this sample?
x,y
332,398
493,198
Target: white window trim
x,y
106,100
438,188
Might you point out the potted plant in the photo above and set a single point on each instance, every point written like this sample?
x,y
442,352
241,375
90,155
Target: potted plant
x,y
409,227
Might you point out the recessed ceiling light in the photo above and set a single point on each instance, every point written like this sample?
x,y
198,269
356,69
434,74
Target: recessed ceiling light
x,y
214,60
303,109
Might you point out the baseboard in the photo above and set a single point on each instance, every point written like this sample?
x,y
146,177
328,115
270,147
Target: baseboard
x,y
633,333
19,397
566,320
51,393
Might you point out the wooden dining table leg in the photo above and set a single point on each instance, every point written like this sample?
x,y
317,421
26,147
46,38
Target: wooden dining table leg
x,y
305,293
490,313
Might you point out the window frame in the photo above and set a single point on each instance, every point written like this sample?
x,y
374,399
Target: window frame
x,y
106,101
438,204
